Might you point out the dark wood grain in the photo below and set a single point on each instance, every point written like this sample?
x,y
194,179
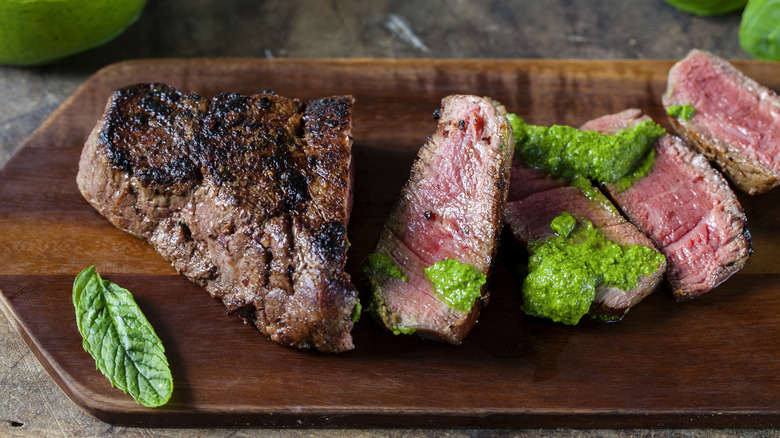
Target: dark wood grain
x,y
710,362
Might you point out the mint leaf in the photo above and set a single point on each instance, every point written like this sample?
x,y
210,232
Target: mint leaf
x,y
120,339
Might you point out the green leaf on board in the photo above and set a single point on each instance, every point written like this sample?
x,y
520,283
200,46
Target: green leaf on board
x,y
120,339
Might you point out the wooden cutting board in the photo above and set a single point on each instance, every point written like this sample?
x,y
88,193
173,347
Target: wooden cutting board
x,y
710,362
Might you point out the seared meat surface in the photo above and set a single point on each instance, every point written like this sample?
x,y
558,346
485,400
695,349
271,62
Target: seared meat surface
x,y
247,196
450,208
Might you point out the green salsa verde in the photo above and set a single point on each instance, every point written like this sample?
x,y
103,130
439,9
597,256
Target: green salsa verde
x,y
592,193
356,311
682,112
565,270
457,284
381,264
564,151
642,169
375,267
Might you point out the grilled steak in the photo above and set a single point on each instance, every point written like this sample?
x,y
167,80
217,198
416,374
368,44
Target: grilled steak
x,y
736,122
450,208
247,196
687,209
530,211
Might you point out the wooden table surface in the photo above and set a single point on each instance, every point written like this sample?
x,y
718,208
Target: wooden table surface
x,y
31,404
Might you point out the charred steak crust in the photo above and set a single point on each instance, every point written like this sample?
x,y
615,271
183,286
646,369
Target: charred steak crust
x,y
247,196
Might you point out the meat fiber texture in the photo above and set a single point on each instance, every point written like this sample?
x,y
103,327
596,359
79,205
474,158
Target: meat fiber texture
x,y
687,209
535,199
736,122
450,208
247,196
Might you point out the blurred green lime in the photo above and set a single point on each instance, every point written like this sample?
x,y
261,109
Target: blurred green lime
x,y
759,32
39,31
708,7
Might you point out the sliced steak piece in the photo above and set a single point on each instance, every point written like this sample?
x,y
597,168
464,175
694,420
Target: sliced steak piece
x,y
450,208
687,209
247,196
526,181
736,123
529,217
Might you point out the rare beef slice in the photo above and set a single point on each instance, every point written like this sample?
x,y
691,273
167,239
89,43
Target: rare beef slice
x,y
535,199
247,196
735,121
448,215
686,208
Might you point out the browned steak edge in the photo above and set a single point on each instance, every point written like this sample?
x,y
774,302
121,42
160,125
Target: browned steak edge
x,y
317,313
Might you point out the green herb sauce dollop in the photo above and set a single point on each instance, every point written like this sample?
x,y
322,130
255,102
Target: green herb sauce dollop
x,y
457,284
564,151
682,112
565,270
356,312
593,193
381,264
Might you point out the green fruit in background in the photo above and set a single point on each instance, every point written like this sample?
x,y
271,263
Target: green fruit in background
x,y
759,31
39,31
708,7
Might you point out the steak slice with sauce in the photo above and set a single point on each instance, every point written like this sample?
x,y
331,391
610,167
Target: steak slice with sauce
x,y
686,208
535,199
450,208
736,122
247,196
